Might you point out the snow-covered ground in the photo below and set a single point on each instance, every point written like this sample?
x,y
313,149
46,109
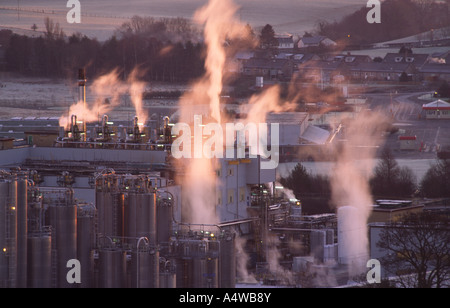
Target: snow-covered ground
x,y
101,17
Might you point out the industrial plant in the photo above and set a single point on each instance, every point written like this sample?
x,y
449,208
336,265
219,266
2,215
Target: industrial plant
x,y
107,195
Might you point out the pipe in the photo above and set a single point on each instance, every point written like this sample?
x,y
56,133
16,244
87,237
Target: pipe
x,y
137,255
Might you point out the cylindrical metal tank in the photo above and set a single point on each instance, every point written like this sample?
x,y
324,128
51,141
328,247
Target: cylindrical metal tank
x,y
110,206
352,236
164,218
8,232
227,261
22,230
145,268
167,274
140,216
39,270
112,268
184,269
317,244
205,273
63,219
85,243
167,280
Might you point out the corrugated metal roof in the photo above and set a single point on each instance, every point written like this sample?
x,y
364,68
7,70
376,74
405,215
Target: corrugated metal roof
x,y
316,135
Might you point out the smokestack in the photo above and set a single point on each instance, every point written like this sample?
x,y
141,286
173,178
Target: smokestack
x,y
82,96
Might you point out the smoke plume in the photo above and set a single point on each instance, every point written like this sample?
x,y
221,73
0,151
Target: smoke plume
x,y
108,86
350,185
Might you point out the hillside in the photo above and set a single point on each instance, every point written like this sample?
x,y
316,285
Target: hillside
x,y
399,19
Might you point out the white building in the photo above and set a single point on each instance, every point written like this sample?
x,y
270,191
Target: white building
x,y
437,110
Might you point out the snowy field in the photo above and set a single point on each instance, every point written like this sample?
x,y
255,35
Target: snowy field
x,y
101,17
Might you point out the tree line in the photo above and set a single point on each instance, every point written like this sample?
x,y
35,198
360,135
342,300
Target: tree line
x,y
165,49
389,180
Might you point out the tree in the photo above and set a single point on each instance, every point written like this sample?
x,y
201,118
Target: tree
x,y
390,179
267,37
302,182
52,29
436,182
417,250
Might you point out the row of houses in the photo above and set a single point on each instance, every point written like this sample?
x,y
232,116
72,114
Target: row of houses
x,y
334,68
287,42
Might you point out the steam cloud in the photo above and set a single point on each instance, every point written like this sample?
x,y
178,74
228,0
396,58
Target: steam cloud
x,y
350,185
109,85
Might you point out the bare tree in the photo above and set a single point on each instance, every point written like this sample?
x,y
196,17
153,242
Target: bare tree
x,y
52,29
418,250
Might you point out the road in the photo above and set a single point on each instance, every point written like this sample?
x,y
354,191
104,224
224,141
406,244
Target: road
x,y
405,110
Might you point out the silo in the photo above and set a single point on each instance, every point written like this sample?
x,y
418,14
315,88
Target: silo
x,y
317,244
63,219
352,236
112,268
8,232
205,272
167,274
164,214
145,268
110,206
39,270
227,261
86,243
140,216
22,230
184,272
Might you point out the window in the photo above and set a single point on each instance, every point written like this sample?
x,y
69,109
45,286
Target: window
x,y
230,196
219,197
230,172
241,194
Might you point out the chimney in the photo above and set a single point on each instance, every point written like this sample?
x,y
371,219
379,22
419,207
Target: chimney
x,y
82,97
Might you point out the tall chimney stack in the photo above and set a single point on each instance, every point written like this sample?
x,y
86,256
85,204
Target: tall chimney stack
x,y
82,97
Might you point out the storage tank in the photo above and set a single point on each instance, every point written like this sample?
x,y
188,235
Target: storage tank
x,y
140,216
22,230
62,216
197,265
112,268
164,214
167,274
39,270
227,261
8,231
352,236
110,207
86,243
205,272
144,268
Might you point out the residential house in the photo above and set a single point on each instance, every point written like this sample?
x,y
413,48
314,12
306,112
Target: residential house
x,y
382,71
236,64
315,41
285,42
417,60
321,71
272,69
435,71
